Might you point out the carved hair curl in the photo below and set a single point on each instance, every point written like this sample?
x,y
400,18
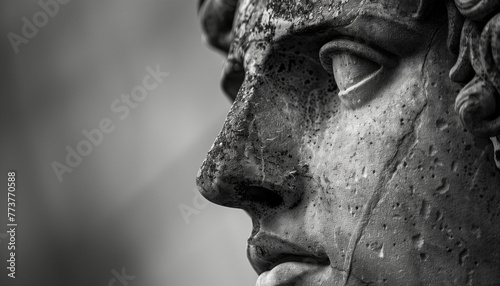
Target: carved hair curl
x,y
477,66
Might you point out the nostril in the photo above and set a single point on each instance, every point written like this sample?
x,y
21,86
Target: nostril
x,y
261,196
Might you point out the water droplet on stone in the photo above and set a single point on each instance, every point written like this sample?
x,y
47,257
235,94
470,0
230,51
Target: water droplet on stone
x,y
425,209
462,256
444,187
418,241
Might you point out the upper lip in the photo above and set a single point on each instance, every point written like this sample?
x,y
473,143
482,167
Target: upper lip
x,y
265,251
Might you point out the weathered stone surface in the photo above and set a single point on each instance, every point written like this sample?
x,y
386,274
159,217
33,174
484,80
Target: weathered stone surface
x,y
343,143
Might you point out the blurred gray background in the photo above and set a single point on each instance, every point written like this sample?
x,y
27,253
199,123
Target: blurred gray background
x,y
120,209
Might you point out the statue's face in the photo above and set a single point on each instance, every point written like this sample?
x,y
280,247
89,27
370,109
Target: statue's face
x,y
373,182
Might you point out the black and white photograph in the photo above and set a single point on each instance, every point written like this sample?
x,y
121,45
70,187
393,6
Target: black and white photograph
x,y
250,142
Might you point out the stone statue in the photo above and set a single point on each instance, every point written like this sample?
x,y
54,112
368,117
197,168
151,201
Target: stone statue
x,y
362,138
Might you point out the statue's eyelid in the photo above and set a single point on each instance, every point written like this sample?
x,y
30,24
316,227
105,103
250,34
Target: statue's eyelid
x,y
361,50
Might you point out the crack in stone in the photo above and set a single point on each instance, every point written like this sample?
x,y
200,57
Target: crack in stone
x,y
478,172
425,60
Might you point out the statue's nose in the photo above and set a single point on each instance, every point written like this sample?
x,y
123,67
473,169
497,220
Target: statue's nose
x,y
252,164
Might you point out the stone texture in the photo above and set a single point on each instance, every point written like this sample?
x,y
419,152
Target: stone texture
x,y
343,143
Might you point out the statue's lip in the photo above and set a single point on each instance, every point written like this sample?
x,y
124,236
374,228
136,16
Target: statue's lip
x,y
266,251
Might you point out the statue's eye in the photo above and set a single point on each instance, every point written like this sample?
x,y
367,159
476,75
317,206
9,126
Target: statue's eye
x,y
358,69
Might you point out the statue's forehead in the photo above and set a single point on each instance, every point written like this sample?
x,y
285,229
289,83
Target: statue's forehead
x,y
268,20
331,9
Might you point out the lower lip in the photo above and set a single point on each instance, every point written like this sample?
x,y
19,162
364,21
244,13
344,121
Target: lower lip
x,y
298,273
